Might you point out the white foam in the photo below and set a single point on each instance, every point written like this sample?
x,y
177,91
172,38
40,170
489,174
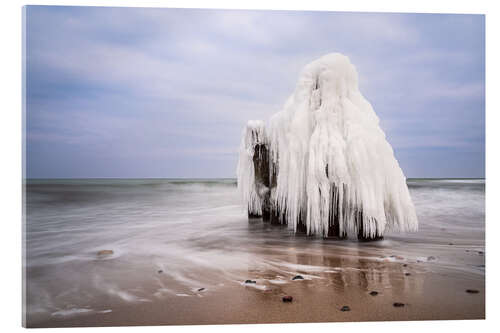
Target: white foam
x,y
278,281
70,312
254,285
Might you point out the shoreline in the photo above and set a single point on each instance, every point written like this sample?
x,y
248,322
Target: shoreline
x,y
426,294
161,242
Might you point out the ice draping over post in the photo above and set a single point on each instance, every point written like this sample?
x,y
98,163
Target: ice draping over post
x,y
330,170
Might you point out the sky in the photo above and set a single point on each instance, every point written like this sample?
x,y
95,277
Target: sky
x,y
154,93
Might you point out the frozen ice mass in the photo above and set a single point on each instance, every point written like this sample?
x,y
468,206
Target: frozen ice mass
x,y
322,164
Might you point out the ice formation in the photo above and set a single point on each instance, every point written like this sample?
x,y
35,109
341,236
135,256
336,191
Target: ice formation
x,y
330,170
253,140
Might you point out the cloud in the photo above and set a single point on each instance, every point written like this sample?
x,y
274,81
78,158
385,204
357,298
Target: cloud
x,y
110,86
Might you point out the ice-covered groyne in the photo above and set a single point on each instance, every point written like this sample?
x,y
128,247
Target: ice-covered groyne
x,y
323,164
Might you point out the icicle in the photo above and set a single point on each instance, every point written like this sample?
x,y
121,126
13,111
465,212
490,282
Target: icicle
x,y
336,174
253,135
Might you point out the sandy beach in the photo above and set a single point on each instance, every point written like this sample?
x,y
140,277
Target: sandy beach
x,y
318,298
165,267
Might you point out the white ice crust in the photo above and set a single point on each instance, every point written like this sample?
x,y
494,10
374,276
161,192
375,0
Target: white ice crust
x,y
253,134
327,146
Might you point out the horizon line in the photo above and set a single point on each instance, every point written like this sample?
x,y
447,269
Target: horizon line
x,y
63,178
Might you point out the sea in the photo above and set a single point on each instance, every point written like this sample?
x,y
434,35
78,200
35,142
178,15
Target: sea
x,y
177,237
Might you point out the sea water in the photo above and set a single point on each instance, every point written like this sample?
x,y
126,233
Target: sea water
x,y
174,237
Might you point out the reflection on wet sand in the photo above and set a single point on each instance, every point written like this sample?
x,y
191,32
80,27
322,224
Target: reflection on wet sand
x,y
182,253
340,273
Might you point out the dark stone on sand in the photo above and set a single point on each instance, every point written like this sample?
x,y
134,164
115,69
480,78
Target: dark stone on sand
x,y
407,274
345,308
201,289
419,260
374,293
472,291
480,252
429,258
467,250
105,252
398,305
450,243
250,281
287,299
404,265
160,271
298,277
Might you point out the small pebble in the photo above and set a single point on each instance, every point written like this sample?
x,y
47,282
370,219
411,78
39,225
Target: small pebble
x,y
398,305
201,289
160,271
298,277
480,252
429,258
450,243
472,291
374,293
287,299
250,281
345,308
404,265
407,274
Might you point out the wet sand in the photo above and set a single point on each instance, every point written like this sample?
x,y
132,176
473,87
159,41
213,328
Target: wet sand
x,y
427,290
182,251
